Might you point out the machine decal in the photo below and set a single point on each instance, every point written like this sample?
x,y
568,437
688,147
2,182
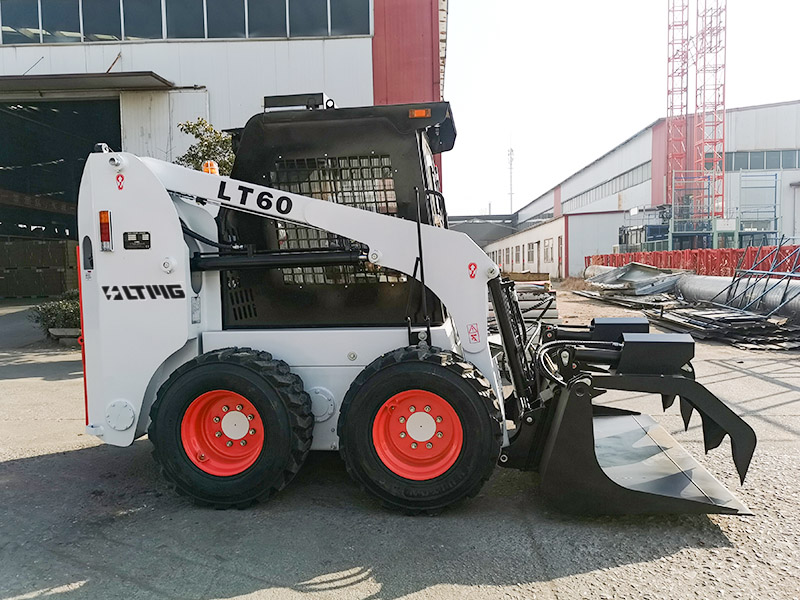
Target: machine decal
x,y
136,240
173,291
472,268
120,181
474,333
264,199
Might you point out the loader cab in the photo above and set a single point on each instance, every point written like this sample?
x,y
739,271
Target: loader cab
x,y
380,159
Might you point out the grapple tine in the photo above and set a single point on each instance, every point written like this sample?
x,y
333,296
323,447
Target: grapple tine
x,y
667,400
713,434
686,413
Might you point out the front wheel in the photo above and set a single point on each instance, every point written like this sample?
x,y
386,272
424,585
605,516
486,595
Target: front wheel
x,y
231,427
420,429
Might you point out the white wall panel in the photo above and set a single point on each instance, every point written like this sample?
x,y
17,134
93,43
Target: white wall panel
x,y
590,235
145,123
237,74
763,128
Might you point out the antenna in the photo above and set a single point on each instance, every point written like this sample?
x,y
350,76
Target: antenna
x,y
510,181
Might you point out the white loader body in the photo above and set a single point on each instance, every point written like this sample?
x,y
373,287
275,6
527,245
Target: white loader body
x,y
145,313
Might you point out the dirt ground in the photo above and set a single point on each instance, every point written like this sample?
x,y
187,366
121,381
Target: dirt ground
x,y
87,521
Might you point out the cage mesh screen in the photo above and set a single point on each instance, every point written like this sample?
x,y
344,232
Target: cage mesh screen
x,y
364,182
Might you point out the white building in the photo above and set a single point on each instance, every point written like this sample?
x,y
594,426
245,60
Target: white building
x,y
127,72
582,215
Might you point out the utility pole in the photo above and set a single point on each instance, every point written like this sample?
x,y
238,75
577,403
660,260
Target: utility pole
x,y
510,181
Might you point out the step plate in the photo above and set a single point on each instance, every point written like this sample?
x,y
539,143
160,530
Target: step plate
x,y
637,453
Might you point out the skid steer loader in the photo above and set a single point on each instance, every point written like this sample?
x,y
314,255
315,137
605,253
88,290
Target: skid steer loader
x,y
316,300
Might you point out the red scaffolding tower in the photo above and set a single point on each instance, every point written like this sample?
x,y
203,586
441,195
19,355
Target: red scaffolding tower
x,y
677,90
709,121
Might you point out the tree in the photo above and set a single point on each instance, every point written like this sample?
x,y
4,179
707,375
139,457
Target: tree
x,y
211,145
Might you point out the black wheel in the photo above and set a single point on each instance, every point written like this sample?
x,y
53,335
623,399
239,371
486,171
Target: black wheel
x,y
420,429
231,427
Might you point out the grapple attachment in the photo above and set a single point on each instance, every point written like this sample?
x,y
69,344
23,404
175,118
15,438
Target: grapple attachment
x,y
595,459
599,460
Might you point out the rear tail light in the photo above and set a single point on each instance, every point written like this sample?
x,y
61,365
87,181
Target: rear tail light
x,y
106,245
211,167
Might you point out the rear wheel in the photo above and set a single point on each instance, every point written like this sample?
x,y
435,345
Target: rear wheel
x,y
420,429
231,427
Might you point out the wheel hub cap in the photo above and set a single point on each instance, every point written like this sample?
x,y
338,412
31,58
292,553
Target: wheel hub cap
x,y
235,425
421,426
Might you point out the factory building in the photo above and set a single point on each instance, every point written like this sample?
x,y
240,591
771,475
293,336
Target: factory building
x,y
127,72
619,203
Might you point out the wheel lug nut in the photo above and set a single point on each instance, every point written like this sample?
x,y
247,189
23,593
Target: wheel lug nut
x,y
229,443
243,442
252,432
411,409
413,444
239,407
216,419
225,408
427,409
218,434
250,417
402,434
439,434
201,456
438,419
429,445
402,419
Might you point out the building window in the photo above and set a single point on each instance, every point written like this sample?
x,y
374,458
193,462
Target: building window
x,y
531,256
740,161
267,18
756,160
143,20
101,21
185,19
789,159
226,18
20,21
61,21
308,18
517,258
113,20
548,250
508,256
349,17
773,160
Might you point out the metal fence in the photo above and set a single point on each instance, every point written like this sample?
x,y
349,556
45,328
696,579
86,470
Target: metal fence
x,y
720,261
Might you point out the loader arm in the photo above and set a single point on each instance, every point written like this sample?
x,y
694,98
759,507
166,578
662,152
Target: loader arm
x,y
455,268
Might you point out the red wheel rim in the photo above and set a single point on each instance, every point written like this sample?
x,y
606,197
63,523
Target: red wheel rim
x,y
417,435
222,433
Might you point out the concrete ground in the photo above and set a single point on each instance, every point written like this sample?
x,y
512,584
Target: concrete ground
x,y
82,520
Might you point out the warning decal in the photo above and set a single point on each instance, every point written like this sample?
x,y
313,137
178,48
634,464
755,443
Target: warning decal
x,y
474,333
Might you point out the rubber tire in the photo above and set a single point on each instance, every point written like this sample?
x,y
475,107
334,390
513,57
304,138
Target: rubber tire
x,y
284,408
452,378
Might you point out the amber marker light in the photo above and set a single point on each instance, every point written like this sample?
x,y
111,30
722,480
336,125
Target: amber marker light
x,y
106,245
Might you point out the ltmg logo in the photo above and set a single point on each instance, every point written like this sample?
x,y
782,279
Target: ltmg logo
x,y
173,291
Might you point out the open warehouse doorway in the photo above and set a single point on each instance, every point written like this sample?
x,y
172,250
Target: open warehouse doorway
x,y
43,148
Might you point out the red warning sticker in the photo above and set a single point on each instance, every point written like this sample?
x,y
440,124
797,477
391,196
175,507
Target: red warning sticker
x,y
474,333
120,181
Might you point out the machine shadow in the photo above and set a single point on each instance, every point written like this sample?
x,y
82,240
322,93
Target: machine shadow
x,y
101,523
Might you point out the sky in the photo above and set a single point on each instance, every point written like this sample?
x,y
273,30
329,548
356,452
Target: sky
x,y
564,82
